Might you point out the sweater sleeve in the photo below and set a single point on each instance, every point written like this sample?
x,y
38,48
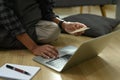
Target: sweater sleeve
x,y
46,7
9,20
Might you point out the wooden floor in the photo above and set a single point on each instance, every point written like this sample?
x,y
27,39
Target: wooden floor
x,y
104,67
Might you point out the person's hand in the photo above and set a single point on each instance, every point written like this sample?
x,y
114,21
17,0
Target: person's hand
x,y
71,26
46,51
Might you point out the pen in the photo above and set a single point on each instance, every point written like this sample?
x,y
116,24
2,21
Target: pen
x,y
17,69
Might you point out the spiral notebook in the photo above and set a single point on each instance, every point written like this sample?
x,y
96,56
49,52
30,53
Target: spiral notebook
x,y
9,74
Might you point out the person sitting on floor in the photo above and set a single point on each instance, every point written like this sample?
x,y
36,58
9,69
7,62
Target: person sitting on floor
x,y
32,24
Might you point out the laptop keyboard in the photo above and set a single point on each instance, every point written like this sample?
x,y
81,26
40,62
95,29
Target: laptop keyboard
x,y
59,62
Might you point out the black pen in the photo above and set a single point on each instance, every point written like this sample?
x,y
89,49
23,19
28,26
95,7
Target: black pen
x,y
17,69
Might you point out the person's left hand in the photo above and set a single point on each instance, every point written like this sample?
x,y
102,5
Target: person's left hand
x,y
71,26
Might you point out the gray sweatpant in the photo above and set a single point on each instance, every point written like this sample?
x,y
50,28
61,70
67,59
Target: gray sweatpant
x,y
47,31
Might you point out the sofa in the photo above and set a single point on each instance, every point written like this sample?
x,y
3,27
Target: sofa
x,y
70,3
74,3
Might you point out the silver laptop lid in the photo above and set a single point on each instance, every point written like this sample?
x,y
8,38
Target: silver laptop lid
x,y
87,50
90,48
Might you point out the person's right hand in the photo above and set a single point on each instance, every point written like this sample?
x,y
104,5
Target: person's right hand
x,y
46,51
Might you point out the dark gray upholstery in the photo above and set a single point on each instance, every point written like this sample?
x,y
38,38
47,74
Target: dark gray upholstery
x,y
118,10
114,1
70,3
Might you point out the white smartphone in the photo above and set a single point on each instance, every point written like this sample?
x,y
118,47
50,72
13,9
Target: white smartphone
x,y
79,30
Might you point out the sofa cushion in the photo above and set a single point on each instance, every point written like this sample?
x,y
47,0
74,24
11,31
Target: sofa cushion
x,y
98,25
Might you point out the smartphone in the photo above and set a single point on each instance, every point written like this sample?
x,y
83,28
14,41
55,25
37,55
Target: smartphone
x,y
79,30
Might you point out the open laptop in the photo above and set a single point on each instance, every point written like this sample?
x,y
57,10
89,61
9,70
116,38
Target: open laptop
x,y
70,56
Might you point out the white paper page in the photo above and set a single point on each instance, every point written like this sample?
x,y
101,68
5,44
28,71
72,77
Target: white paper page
x,y
8,73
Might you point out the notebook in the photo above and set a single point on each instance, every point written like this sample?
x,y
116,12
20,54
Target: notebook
x,y
10,74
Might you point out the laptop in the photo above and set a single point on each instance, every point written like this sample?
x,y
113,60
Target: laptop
x,y
70,56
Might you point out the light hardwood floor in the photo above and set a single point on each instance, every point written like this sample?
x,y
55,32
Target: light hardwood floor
x,y
104,67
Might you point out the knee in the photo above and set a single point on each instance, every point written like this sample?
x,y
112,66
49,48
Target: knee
x,y
53,34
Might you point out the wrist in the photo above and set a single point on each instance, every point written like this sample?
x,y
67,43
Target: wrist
x,y
61,24
33,48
